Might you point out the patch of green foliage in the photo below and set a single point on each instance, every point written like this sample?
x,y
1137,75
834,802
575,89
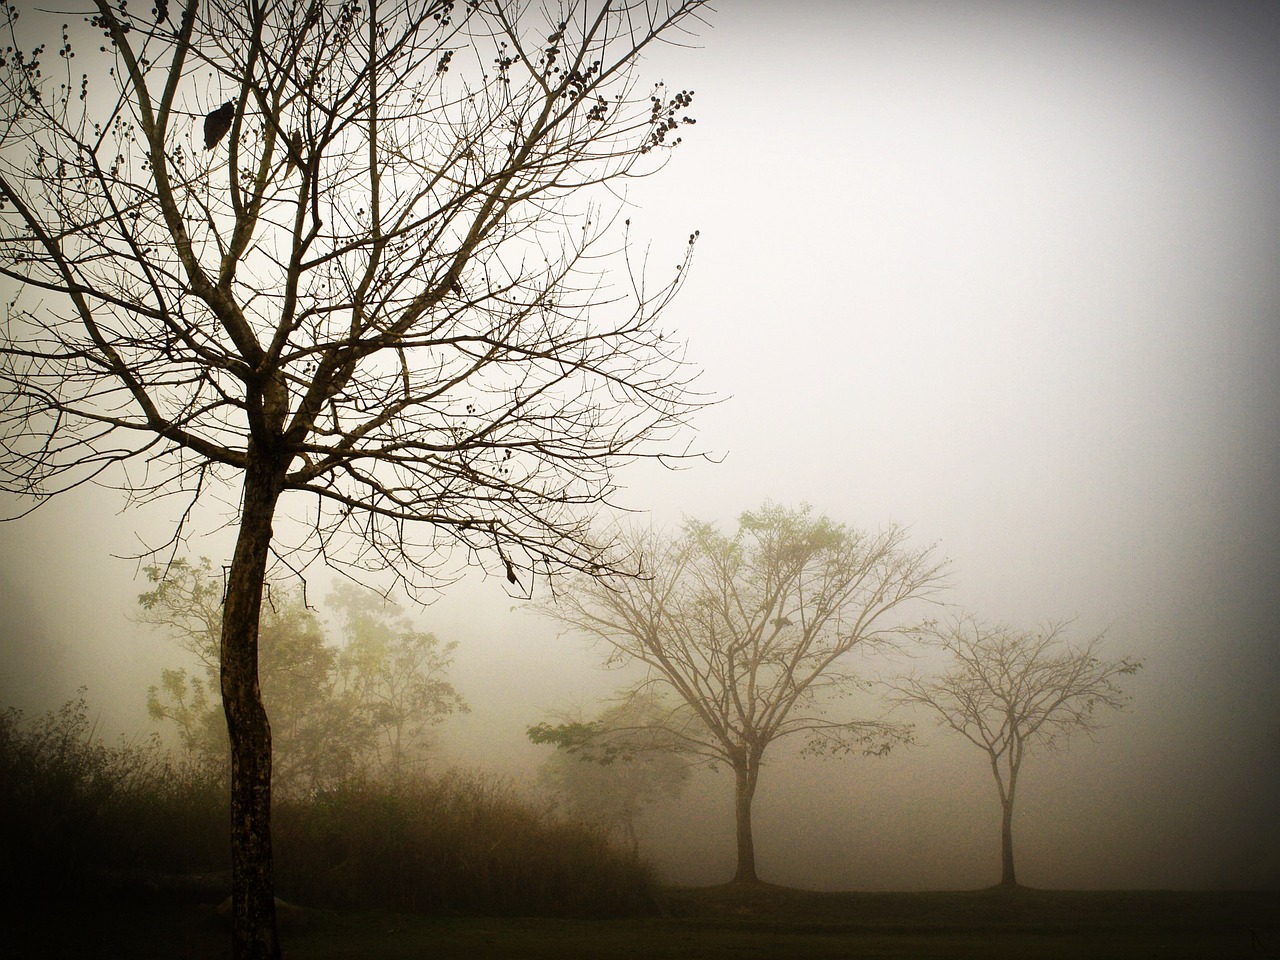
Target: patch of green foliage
x,y
362,705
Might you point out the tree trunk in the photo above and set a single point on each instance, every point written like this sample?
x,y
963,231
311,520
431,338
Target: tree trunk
x,y
1008,791
745,775
254,935
1007,876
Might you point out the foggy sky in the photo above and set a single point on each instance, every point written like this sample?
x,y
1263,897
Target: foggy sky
x,y
1005,272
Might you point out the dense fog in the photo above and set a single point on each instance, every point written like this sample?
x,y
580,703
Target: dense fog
x,y
1004,273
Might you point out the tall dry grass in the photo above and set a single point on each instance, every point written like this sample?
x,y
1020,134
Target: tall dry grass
x,y
459,843
75,811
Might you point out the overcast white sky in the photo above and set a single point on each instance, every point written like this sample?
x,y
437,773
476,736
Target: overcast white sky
x,y
1002,271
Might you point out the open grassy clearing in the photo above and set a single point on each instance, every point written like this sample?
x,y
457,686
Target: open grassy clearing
x,y
761,922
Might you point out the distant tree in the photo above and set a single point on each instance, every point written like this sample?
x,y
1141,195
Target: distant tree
x,y
188,700
1009,690
753,634
363,704
607,770
320,734
376,304
186,603
394,673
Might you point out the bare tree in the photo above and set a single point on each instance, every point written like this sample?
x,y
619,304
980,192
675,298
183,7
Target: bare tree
x,y
753,634
1010,689
349,259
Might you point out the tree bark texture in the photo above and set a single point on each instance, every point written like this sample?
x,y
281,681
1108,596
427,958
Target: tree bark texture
x,y
254,934
745,776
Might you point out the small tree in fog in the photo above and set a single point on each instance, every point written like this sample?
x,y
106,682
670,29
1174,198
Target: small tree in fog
x,y
394,674
754,635
360,706
319,737
345,262
607,770
1009,690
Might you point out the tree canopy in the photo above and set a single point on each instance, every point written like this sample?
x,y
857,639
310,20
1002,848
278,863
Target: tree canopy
x,y
387,282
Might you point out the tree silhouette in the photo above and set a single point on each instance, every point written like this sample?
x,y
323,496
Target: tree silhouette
x,y
752,634
408,352
1008,690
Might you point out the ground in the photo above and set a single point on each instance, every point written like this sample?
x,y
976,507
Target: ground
x,y
731,921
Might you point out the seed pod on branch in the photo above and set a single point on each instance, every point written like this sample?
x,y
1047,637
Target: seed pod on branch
x,y
217,123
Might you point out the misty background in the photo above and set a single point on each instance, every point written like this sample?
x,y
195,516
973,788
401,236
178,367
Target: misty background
x,y
1005,272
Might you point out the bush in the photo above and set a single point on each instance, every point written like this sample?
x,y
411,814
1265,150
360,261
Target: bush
x,y
72,807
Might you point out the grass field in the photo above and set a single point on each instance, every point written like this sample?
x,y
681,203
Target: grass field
x,y
713,922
